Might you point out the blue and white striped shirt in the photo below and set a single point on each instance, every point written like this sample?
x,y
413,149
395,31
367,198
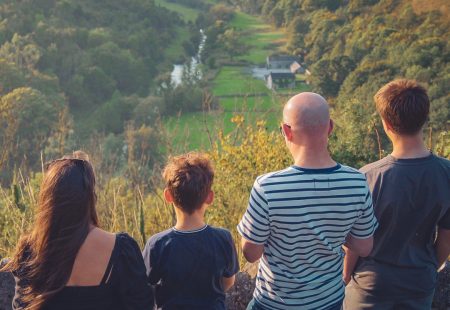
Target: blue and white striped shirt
x,y
302,216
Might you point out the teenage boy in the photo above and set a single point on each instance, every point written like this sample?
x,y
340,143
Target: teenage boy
x,y
192,264
411,198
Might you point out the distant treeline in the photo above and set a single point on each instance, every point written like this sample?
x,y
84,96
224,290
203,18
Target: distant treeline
x,y
71,69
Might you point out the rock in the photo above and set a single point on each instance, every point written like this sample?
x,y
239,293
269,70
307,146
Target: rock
x,y
240,295
441,300
6,290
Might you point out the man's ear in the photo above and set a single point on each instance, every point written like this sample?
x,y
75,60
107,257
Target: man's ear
x,y
386,126
331,128
210,198
288,132
168,195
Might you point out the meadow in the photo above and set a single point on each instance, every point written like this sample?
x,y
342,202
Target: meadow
x,y
236,91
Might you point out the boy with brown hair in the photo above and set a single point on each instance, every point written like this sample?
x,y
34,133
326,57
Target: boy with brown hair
x,y
411,198
192,264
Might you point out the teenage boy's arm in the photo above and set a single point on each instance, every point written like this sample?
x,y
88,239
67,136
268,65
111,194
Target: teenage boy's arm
x,y
442,246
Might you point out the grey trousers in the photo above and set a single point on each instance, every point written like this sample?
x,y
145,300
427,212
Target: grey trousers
x,y
356,300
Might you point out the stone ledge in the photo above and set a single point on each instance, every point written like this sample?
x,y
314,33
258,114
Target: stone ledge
x,y
241,293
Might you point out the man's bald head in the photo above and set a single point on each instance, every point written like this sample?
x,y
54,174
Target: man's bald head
x,y
309,112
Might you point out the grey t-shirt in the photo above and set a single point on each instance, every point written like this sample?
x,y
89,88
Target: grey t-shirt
x,y
411,197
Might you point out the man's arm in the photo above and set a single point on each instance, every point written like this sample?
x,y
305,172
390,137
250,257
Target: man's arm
x,y
350,260
354,248
361,247
442,245
252,251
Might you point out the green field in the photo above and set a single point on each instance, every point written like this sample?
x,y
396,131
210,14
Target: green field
x,y
191,131
237,92
262,39
236,81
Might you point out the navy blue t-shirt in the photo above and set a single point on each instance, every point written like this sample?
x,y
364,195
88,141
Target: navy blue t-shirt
x,y
186,267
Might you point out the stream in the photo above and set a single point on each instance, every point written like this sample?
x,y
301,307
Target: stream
x,y
178,69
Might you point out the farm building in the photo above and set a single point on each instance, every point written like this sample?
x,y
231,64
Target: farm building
x,y
280,80
297,68
280,62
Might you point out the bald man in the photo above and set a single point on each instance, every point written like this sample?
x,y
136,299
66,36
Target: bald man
x,y
298,219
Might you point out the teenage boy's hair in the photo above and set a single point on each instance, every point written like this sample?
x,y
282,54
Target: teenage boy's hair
x,y
189,178
404,105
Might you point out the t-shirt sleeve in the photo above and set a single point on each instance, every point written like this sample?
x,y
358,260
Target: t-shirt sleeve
x,y
134,290
444,222
232,262
254,225
150,262
366,224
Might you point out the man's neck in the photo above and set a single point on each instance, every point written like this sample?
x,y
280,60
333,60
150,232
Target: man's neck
x,y
314,158
409,147
192,221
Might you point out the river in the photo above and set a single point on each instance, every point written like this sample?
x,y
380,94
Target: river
x,y
193,66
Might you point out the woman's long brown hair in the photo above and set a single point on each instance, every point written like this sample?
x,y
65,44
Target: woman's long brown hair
x,y
44,258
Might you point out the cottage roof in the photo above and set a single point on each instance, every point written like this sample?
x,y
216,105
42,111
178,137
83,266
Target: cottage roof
x,y
282,58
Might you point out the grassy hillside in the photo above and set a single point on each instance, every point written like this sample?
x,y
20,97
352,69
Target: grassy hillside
x,y
237,92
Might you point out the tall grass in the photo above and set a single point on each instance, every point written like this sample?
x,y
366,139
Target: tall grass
x,y
139,209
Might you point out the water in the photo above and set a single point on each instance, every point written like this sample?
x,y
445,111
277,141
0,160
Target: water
x,y
193,66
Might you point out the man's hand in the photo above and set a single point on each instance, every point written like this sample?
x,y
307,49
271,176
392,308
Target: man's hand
x,y
252,252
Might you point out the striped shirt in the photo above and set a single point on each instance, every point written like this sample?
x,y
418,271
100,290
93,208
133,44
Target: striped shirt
x,y
302,216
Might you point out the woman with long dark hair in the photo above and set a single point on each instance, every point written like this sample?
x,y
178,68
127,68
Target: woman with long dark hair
x,y
66,261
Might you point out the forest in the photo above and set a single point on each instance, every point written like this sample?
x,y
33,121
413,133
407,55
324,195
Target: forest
x,y
95,75
355,47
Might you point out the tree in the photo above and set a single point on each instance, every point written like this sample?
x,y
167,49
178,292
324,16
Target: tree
x,y
232,43
27,119
11,77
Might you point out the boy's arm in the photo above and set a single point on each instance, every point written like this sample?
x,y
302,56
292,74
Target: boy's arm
x,y
442,246
350,260
227,283
229,274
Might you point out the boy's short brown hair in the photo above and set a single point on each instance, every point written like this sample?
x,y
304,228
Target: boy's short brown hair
x,y
189,178
404,105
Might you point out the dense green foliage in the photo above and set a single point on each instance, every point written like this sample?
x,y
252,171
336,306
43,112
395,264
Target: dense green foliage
x,y
354,47
93,60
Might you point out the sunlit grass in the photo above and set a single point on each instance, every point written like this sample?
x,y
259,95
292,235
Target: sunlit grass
x,y
262,38
236,81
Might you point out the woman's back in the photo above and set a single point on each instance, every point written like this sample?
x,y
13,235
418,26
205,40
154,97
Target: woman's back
x,y
108,273
92,259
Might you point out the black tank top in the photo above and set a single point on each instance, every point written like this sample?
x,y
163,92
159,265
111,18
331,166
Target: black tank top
x,y
124,284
